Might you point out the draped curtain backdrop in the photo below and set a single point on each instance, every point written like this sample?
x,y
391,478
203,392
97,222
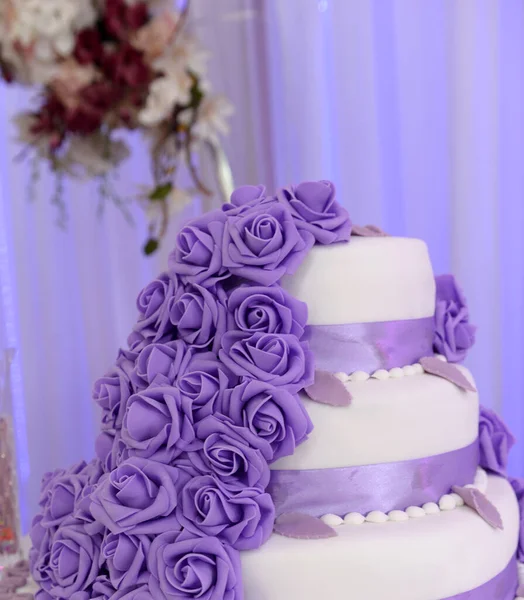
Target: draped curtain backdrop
x,y
414,109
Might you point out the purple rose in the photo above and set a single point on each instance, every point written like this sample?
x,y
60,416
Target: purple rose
x,y
138,497
266,310
281,360
83,510
200,316
272,414
43,595
111,393
263,243
138,592
202,386
155,425
184,566
104,447
234,454
495,442
119,453
166,360
245,197
73,561
60,497
197,256
102,588
454,335
518,488
242,518
153,304
125,556
315,209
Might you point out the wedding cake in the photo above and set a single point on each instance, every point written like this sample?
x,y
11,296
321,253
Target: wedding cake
x,y
290,420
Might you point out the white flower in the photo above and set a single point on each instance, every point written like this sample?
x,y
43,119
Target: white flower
x,y
24,122
184,54
212,118
164,93
93,155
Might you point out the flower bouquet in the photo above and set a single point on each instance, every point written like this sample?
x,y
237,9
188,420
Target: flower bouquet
x,y
103,66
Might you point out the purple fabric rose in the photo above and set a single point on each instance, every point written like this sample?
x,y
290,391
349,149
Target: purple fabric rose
x,y
234,454
454,335
111,393
197,256
315,209
155,425
137,592
125,556
102,588
119,453
104,447
153,304
83,511
73,561
203,385
518,488
200,316
266,310
281,360
245,197
495,442
272,414
263,243
166,360
138,497
59,499
241,518
185,566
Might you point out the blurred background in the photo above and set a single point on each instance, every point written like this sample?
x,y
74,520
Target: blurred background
x,y
415,110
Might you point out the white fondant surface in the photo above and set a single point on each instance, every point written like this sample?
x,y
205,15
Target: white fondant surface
x,y
367,280
420,559
388,420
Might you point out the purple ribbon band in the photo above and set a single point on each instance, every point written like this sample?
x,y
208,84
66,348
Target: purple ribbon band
x,y
371,346
362,489
502,587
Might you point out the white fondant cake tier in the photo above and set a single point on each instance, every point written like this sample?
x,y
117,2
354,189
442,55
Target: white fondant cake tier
x,y
419,559
368,280
388,420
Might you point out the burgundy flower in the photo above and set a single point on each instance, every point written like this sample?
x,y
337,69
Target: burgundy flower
x,y
126,66
121,18
88,48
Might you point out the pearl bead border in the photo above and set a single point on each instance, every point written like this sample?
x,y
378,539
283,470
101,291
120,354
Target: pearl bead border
x,y
446,503
382,374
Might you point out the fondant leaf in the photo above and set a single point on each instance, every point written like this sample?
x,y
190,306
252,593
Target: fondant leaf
x,y
304,527
448,371
368,231
327,389
478,501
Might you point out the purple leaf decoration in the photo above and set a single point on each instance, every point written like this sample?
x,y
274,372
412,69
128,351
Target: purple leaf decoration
x,y
476,500
448,371
368,231
327,389
303,527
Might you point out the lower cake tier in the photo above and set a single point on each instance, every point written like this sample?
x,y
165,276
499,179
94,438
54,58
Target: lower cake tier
x,y
435,557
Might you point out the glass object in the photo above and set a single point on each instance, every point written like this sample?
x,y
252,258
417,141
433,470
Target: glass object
x,y
9,514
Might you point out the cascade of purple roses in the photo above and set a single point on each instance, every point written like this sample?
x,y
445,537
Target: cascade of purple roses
x,y
193,412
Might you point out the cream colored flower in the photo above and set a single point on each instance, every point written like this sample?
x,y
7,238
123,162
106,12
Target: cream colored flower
x,y
93,156
154,37
69,79
185,53
212,118
164,93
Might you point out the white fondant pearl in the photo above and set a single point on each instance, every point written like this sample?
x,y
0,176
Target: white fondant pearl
x,y
359,376
332,520
431,508
409,370
415,512
447,502
381,374
441,357
396,373
419,369
376,517
343,377
458,499
398,516
354,518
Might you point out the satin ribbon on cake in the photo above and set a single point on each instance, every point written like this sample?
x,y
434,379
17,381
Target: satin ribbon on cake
x,y
502,587
370,346
383,487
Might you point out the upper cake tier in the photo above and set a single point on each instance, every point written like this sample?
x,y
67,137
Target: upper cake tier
x,y
371,279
